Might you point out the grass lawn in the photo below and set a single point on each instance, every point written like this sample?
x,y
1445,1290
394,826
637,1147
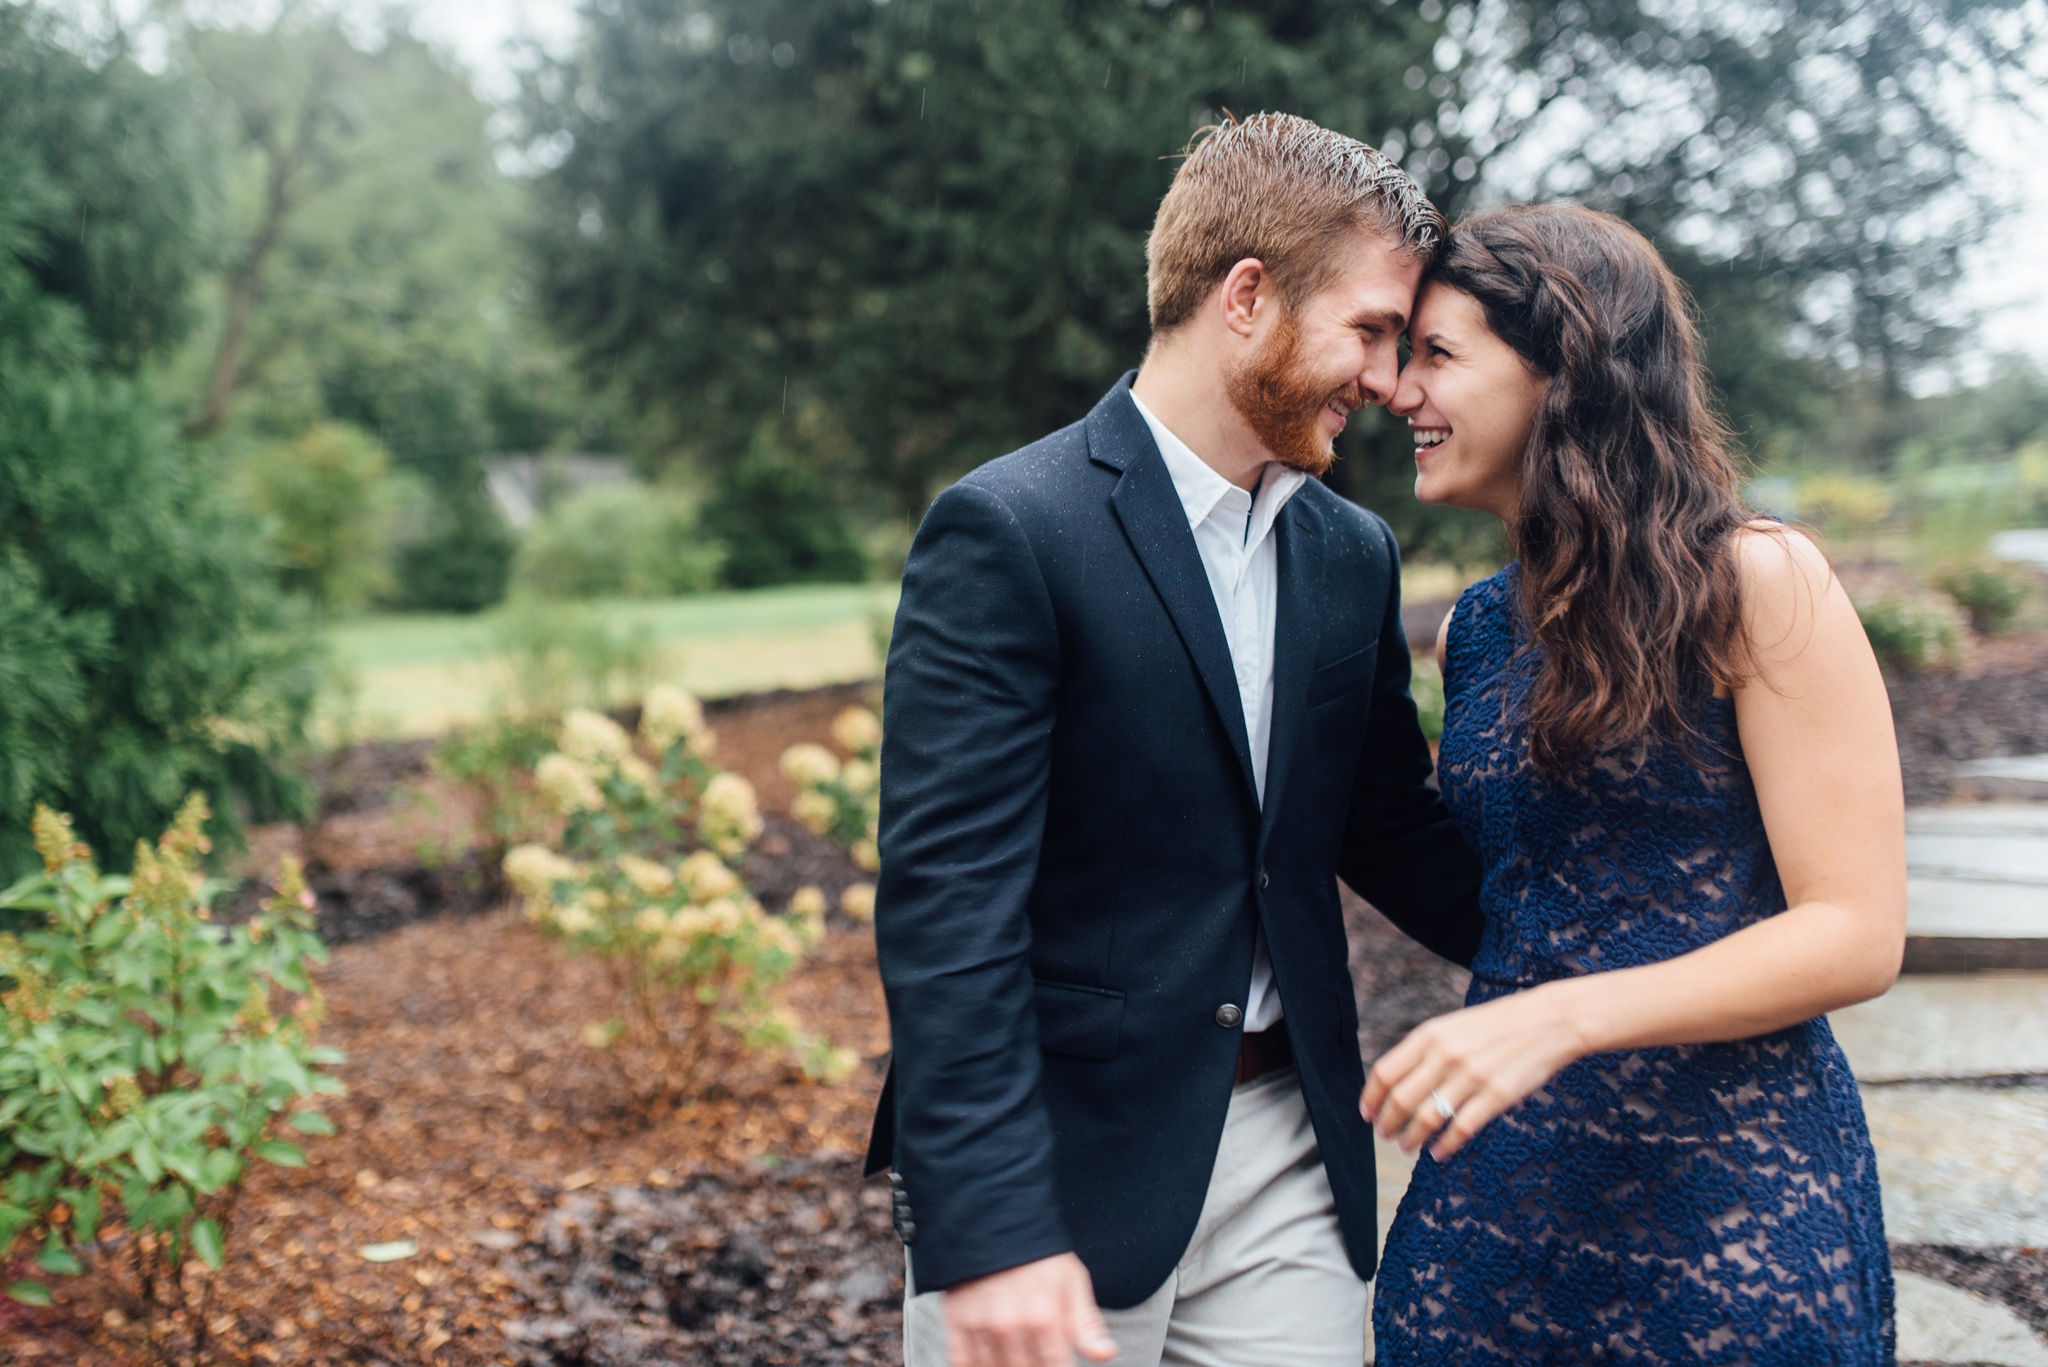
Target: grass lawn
x,y
419,673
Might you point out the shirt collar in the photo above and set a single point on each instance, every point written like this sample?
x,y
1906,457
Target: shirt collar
x,y
1202,490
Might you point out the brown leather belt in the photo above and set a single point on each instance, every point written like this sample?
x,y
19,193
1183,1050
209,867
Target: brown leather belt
x,y
1268,1051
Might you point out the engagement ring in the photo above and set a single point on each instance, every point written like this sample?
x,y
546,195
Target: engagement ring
x,y
1443,1107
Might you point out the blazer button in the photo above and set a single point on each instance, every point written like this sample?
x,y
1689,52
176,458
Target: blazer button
x,y
1230,1015
906,1230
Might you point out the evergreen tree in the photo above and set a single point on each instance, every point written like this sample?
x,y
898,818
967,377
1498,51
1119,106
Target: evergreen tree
x,y
144,650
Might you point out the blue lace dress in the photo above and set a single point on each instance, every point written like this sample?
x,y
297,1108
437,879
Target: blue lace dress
x,y
1699,1204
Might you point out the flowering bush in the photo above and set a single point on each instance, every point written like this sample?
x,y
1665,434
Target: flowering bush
x,y
146,1056
693,956
841,800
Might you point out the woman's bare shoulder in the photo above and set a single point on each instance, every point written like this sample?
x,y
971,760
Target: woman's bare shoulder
x,y
1787,586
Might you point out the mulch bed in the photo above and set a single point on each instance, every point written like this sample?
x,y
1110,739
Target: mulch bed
x,y
566,1212
1996,705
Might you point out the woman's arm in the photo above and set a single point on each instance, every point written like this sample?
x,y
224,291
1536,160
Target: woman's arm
x,y
1817,733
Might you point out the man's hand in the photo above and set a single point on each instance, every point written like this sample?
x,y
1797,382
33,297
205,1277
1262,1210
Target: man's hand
x,y
1036,1315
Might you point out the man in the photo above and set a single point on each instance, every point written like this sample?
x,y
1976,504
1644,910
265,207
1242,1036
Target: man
x,y
1147,697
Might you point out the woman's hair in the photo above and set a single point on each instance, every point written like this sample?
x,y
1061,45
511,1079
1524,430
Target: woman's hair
x,y
1628,500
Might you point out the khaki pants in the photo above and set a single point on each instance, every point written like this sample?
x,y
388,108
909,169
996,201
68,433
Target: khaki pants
x,y
1264,1282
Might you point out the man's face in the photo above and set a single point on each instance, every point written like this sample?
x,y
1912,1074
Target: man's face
x,y
1335,352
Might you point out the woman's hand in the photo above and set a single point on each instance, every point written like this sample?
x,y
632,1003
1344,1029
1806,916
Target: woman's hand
x,y
1480,1060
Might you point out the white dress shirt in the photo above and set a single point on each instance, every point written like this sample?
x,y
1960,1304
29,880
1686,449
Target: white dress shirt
x,y
1234,533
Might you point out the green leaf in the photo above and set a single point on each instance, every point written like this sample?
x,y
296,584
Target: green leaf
x,y
57,1258
218,1169
206,1242
13,1219
29,1293
281,1152
312,1122
147,1163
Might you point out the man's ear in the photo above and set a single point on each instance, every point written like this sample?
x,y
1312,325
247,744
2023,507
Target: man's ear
x,y
1238,297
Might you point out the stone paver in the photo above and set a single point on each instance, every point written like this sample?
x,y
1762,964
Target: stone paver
x,y
1989,856
1962,1165
1998,818
1979,870
1942,1323
1959,907
1954,1026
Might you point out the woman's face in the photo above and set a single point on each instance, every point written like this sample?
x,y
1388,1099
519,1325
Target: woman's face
x,y
1470,401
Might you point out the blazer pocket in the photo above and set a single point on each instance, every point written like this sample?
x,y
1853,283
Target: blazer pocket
x,y
1079,1021
1339,677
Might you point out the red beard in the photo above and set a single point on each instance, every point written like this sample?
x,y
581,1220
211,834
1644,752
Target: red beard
x,y
1282,401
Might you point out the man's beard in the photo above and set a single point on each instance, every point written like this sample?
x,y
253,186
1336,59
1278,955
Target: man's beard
x,y
1282,401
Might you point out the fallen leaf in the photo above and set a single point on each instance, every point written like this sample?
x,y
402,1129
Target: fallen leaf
x,y
389,1253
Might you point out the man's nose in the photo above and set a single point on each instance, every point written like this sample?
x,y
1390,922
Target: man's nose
x,y
1407,397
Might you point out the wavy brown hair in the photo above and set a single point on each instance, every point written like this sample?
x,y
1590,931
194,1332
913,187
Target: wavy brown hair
x,y
1628,504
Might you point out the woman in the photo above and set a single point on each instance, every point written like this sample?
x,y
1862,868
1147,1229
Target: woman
x,y
1666,736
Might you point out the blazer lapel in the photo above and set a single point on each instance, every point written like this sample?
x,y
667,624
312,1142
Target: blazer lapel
x,y
1157,525
1294,642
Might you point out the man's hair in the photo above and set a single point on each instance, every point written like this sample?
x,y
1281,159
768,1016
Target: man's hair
x,y
1283,190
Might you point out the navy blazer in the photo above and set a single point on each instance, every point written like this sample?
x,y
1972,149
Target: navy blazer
x,y
1074,857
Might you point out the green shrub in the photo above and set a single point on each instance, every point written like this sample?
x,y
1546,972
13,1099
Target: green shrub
x,y
145,650
1906,634
495,759
621,540
694,957
780,524
1992,594
147,1056
328,497
454,556
564,656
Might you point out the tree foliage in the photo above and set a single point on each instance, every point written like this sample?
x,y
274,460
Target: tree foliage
x,y
144,651
910,236
370,277
911,233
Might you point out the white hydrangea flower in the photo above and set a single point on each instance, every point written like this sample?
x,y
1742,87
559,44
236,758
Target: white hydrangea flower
x,y
807,765
705,877
807,901
690,922
575,918
814,810
593,737
638,770
728,819
725,915
866,855
858,901
859,776
568,784
857,730
646,875
535,869
669,714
